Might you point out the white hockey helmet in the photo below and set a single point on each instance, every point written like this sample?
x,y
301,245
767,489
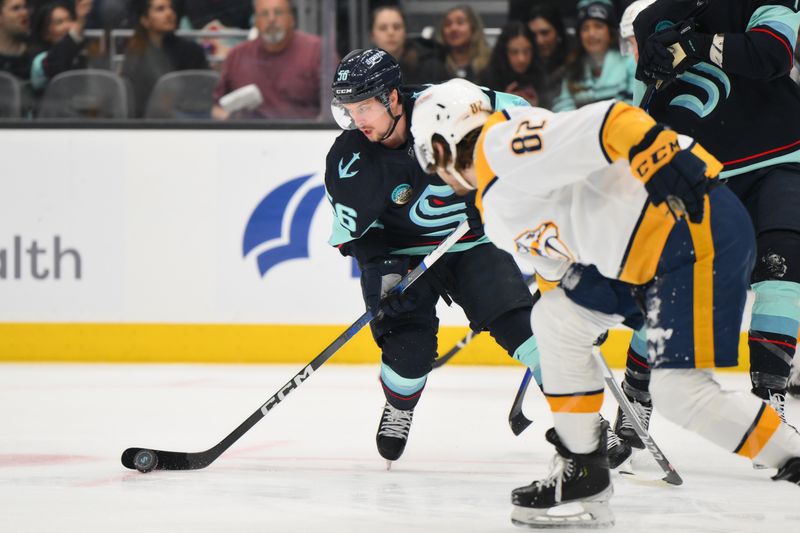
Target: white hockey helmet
x,y
630,14
451,109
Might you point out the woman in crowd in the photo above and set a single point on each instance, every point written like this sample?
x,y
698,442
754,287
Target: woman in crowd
x,y
547,25
513,67
596,70
58,36
418,62
155,50
466,50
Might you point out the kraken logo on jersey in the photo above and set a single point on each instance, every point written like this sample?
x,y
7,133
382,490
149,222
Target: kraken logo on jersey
x,y
430,211
544,241
344,170
401,194
708,79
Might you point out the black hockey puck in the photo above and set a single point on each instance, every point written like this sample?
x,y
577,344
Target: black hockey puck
x,y
145,461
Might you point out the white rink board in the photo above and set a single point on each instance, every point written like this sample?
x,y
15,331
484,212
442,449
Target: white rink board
x,y
157,221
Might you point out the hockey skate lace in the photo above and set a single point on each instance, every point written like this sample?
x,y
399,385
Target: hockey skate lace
x,y
778,402
613,439
642,411
396,423
560,468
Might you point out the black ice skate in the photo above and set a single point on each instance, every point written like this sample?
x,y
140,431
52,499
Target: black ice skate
x,y
575,494
393,432
623,426
790,471
619,450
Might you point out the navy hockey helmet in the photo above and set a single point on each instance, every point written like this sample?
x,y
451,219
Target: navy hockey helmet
x,y
361,75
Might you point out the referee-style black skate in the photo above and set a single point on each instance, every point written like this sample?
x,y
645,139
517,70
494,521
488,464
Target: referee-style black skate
x,y
582,479
393,432
623,426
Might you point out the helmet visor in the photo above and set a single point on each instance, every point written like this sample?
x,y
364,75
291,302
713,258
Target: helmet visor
x,y
351,116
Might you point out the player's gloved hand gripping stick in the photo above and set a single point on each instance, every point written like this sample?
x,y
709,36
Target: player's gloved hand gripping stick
x,y
145,460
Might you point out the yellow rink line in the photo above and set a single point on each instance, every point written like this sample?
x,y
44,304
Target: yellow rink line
x,y
236,343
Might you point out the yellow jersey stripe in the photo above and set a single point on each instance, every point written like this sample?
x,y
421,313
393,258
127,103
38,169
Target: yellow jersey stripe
x,y
625,127
545,285
703,289
587,402
483,171
647,243
764,426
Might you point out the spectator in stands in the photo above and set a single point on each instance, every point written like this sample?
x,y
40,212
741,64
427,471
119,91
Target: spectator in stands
x,y
466,50
552,46
596,70
16,55
155,50
513,67
58,36
418,62
283,63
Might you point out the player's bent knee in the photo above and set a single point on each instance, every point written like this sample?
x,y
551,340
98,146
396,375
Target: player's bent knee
x,y
679,394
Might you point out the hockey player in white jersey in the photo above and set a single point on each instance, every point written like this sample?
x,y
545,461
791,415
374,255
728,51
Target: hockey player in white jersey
x,y
622,219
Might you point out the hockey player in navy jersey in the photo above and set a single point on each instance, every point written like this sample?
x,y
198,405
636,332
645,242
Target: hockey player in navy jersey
x,y
722,68
388,214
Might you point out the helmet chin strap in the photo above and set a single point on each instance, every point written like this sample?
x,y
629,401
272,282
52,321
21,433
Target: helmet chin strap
x,y
451,169
395,120
385,99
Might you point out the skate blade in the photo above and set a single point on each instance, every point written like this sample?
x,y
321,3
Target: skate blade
x,y
586,515
389,465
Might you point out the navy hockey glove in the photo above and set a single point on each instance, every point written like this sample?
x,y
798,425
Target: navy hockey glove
x,y
671,51
682,183
670,174
377,279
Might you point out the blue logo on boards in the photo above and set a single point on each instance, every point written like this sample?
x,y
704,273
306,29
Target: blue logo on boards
x,y
279,210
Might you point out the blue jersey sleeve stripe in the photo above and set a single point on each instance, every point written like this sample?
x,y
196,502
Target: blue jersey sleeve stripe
x,y
779,18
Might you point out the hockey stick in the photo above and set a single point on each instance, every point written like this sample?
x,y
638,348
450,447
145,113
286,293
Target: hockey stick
x,y
145,460
439,361
671,475
516,418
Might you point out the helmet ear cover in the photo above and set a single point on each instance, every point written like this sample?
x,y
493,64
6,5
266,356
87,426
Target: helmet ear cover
x,y
447,112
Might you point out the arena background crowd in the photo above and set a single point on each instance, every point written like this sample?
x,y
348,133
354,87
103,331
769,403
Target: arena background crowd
x,y
273,59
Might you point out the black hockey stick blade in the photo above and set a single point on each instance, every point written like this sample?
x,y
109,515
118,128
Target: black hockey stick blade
x,y
516,418
671,475
148,459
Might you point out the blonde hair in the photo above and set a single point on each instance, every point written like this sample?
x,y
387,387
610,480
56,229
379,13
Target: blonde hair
x,y
478,47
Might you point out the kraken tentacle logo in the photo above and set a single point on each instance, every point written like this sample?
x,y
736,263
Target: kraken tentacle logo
x,y
429,211
279,226
543,241
708,79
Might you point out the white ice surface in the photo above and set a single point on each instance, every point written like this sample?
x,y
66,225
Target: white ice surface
x,y
311,464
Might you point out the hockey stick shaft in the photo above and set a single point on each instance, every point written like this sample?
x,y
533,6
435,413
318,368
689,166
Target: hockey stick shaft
x,y
671,475
167,460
